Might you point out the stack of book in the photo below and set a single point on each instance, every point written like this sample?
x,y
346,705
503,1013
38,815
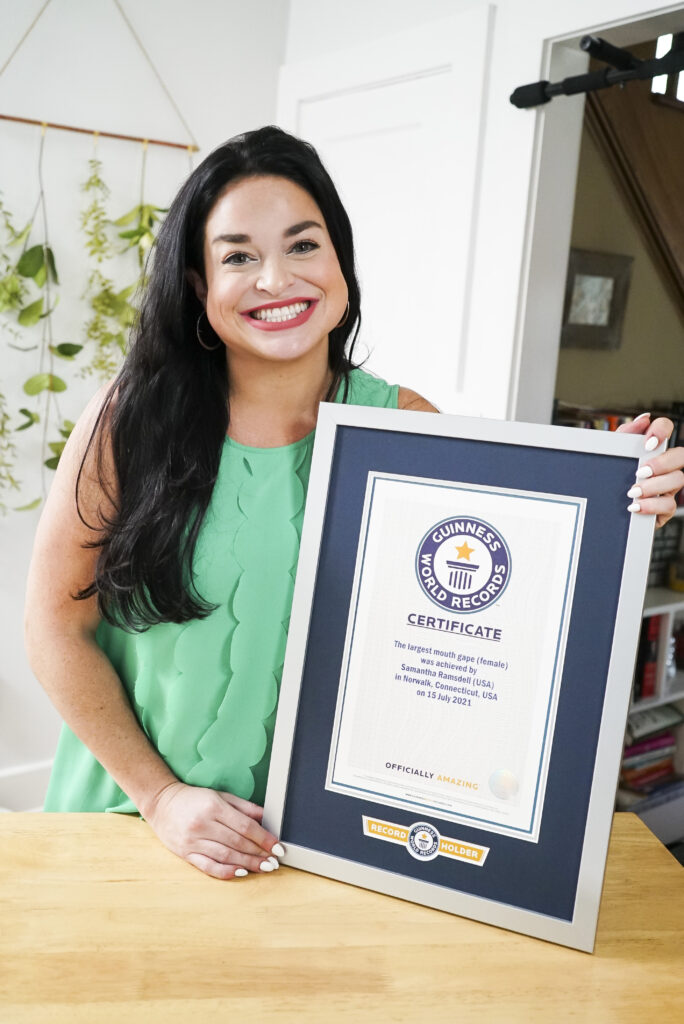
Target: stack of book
x,y
649,762
648,778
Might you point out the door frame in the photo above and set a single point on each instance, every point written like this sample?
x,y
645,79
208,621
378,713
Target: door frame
x,y
551,201
524,199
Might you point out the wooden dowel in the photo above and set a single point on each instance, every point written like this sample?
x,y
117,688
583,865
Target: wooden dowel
x,y
188,146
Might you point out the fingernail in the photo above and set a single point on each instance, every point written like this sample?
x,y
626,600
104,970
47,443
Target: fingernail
x,y
652,443
643,472
634,492
241,872
640,416
634,507
266,866
279,850
274,862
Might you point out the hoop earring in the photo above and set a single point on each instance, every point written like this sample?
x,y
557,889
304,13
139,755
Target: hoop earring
x,y
209,348
344,318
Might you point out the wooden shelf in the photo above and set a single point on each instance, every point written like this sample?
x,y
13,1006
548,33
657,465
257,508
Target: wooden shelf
x,y
676,693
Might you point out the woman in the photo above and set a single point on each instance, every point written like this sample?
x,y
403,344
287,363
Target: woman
x,y
190,476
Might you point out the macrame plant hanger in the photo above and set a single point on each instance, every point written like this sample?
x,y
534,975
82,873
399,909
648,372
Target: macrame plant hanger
x,y
623,67
190,147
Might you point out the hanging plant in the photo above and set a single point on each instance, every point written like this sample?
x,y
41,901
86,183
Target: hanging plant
x,y
142,236
12,284
28,297
105,329
94,220
28,291
113,311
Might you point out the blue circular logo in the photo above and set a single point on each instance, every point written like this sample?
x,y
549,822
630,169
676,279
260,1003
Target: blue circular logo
x,y
463,564
423,841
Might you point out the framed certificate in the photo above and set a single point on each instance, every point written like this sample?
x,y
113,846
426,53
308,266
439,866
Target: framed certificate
x,y
459,664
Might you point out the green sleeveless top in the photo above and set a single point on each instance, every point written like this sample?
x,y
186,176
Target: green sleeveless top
x,y
206,691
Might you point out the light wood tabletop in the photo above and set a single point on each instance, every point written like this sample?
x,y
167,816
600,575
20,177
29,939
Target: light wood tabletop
x,y
100,923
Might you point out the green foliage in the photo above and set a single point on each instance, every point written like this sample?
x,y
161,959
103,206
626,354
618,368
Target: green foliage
x,y
112,316
8,454
12,292
57,447
30,315
140,237
12,286
43,382
94,220
30,419
66,350
28,276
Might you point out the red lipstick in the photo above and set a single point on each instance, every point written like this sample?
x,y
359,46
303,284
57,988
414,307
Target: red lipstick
x,y
266,325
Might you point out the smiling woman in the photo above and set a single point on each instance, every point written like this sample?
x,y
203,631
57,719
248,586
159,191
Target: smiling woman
x,y
160,590
159,598
276,291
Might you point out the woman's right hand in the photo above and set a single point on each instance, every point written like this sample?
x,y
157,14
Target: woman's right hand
x,y
217,832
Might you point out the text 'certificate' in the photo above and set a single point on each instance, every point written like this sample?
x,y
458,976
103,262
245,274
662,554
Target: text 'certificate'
x,y
454,650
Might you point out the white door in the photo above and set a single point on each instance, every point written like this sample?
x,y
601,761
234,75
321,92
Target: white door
x,y
398,123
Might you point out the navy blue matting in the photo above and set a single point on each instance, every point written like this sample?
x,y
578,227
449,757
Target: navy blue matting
x,y
540,877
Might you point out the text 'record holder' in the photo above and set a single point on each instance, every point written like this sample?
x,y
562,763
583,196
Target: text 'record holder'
x,y
459,664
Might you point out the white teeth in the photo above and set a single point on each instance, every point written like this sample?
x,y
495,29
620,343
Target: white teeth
x,y
280,313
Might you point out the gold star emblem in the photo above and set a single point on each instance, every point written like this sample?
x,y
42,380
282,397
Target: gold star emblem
x,y
464,551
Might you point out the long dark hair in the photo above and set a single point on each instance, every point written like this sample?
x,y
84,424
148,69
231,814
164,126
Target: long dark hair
x,y
166,414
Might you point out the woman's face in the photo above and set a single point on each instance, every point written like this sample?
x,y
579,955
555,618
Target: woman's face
x,y
273,288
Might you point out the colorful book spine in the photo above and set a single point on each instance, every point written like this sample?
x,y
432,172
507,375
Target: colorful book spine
x,y
652,757
646,672
641,778
665,739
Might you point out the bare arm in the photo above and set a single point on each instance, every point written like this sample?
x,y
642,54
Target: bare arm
x,y
408,399
203,826
60,632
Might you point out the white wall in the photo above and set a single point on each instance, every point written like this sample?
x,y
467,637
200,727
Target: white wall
x,y
322,26
80,65
526,178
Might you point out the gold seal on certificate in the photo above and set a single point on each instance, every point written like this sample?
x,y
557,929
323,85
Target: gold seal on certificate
x,y
454,648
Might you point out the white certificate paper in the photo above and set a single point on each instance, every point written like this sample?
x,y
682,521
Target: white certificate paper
x,y
454,650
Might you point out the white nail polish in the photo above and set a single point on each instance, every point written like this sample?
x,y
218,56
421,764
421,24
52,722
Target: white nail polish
x,y
640,416
644,472
266,866
634,507
652,443
278,850
634,492
241,872
274,862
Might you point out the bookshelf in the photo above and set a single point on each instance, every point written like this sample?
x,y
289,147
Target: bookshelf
x,y
659,674
669,605
661,806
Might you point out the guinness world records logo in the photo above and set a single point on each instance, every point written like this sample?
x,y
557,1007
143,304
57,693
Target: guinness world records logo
x,y
423,841
463,564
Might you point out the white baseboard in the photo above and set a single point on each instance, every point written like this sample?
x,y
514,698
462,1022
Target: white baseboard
x,y
23,788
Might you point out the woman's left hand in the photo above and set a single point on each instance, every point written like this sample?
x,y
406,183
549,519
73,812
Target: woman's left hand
x,y
653,492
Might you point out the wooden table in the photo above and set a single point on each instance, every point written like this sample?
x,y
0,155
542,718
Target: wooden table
x,y
100,923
